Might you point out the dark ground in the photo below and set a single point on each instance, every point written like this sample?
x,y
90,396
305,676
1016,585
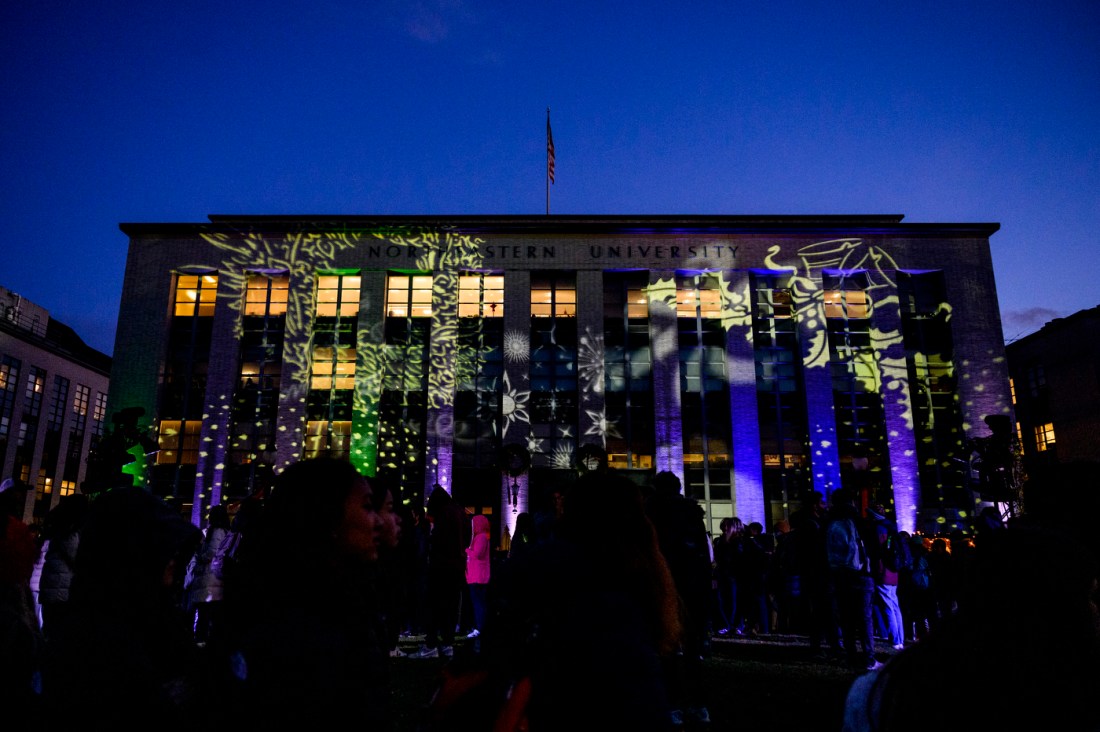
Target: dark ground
x,y
763,684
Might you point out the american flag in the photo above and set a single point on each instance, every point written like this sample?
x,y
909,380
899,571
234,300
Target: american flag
x,y
549,149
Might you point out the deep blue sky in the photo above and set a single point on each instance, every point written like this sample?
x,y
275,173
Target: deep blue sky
x,y
142,110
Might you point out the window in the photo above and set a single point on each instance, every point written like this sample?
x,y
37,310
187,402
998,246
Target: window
x,y
36,387
846,304
338,295
195,295
327,439
698,296
1012,389
1044,436
409,296
81,397
480,296
178,442
57,404
1036,380
266,295
99,414
333,368
553,295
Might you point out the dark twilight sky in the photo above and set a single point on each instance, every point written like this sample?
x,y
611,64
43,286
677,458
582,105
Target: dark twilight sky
x,y
147,111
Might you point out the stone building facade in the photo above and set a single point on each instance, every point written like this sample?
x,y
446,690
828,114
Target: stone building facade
x,y
755,357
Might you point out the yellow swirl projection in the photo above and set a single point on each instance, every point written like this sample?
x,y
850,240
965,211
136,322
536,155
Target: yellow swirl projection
x,y
302,254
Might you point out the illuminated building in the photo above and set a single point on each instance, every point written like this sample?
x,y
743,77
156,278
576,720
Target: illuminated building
x,y
1056,391
755,357
53,402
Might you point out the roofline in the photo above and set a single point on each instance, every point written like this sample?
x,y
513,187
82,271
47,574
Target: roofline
x,y
569,223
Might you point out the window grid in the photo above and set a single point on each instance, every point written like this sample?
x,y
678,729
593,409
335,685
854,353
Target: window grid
x,y
481,296
178,442
1044,436
60,398
99,414
409,296
195,295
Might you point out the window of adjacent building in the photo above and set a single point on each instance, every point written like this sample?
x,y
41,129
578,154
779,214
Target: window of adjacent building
x,y
178,442
81,397
99,414
1036,379
58,401
408,296
36,387
1044,436
481,296
196,295
9,378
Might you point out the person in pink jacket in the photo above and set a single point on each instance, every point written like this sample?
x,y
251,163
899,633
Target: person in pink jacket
x,y
477,571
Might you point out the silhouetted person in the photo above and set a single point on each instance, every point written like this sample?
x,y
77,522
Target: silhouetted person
x,y
307,641
1022,652
446,573
125,657
682,537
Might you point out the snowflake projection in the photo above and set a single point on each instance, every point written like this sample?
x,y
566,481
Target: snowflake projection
x,y
517,346
590,362
534,445
565,431
513,406
562,457
601,427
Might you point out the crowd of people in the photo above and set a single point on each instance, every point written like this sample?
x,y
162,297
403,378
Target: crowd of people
x,y
601,609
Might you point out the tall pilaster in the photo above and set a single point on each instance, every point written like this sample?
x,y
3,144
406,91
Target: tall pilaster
x,y
813,337
369,370
748,463
666,372
441,380
901,441
223,374
297,360
517,367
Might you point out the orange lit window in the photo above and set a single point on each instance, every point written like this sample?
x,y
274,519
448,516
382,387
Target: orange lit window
x,y
409,296
266,295
481,296
1044,436
846,304
195,295
338,295
178,442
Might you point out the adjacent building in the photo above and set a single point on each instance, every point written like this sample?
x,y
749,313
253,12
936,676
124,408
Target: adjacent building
x,y
756,357
53,403
1055,375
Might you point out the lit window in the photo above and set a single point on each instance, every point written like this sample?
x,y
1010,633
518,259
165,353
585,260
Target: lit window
x,y
338,295
846,304
553,297
68,487
178,442
323,438
698,296
481,296
266,295
409,296
1044,436
1012,389
195,295
333,367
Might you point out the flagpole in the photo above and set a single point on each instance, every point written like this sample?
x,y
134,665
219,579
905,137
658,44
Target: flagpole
x,y
549,160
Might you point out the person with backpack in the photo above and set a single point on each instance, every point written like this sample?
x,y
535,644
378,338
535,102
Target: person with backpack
x,y
888,555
